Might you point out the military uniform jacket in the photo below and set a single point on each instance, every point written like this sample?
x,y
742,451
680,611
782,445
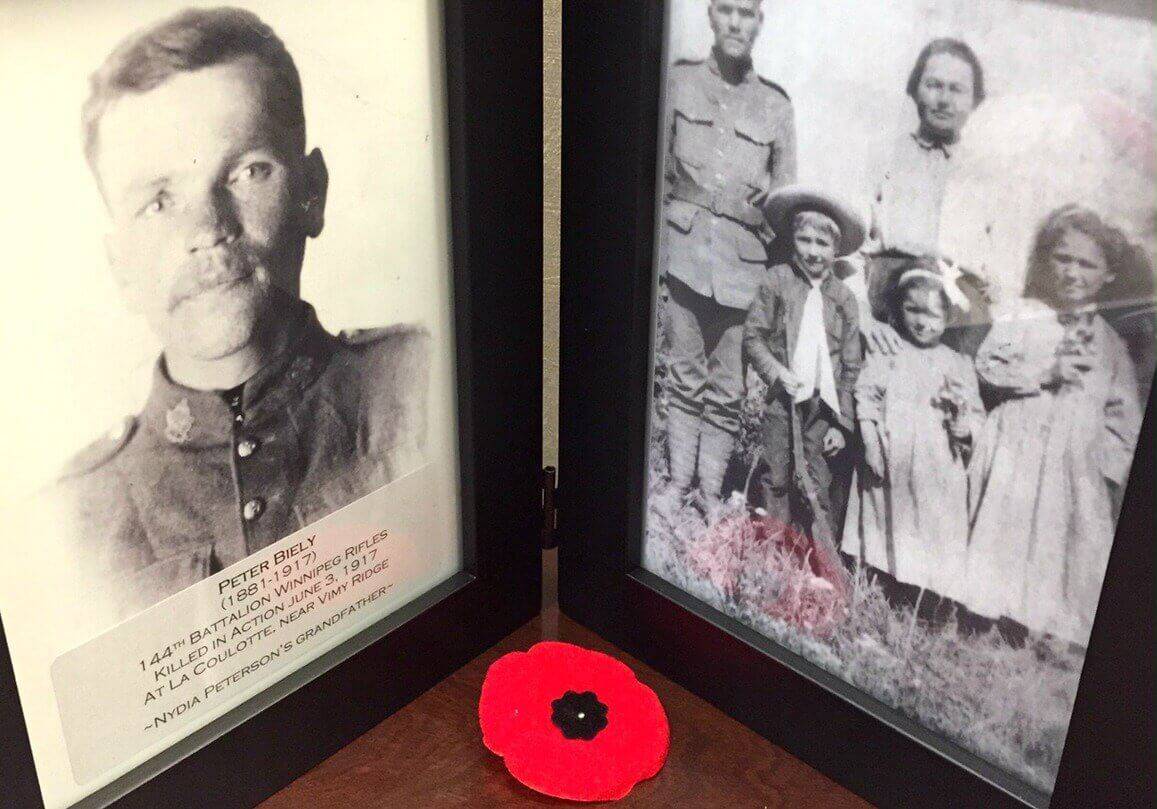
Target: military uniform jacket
x,y
728,145
193,485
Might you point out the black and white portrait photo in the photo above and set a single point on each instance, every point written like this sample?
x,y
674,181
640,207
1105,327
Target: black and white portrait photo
x,y
233,323
258,420
904,338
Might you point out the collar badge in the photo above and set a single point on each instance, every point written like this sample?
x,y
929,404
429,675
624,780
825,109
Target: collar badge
x,y
179,422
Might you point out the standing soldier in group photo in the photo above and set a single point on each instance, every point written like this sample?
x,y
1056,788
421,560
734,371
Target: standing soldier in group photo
x,y
731,141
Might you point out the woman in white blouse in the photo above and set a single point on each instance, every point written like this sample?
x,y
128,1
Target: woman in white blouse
x,y
946,84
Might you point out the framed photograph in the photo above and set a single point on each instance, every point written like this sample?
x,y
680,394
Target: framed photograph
x,y
275,469
857,345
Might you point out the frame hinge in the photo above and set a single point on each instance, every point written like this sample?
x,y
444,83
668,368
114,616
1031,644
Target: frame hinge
x,y
549,513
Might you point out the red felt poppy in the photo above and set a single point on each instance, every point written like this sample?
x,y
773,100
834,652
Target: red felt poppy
x,y
572,723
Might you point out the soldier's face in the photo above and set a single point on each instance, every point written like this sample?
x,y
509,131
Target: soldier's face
x,y
944,96
736,25
210,206
815,250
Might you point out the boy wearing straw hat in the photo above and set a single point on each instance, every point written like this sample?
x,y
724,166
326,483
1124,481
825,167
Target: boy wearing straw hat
x,y
802,336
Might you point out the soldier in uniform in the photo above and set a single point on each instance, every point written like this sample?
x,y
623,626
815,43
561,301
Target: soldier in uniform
x,y
259,421
731,141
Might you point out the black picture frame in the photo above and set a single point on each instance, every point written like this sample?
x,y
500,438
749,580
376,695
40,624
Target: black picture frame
x,y
494,80
612,73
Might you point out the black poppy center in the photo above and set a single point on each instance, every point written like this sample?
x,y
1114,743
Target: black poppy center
x,y
579,716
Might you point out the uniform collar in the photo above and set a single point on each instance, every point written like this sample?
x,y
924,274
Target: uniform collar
x,y
189,417
745,68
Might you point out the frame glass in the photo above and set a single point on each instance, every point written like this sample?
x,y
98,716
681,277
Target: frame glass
x,y
403,458
692,583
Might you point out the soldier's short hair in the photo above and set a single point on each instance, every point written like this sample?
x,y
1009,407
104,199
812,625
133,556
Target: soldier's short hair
x,y
821,222
953,47
188,41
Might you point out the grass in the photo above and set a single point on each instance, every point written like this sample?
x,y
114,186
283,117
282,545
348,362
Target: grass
x,y
1009,705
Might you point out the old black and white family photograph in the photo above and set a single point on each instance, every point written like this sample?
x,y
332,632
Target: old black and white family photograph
x,y
904,339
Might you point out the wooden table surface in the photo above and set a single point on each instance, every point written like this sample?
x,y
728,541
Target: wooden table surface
x,y
430,754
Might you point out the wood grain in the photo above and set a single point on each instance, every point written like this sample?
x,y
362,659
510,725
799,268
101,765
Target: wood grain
x,y
430,754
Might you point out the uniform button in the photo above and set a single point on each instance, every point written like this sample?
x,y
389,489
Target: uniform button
x,y
239,418
252,509
246,448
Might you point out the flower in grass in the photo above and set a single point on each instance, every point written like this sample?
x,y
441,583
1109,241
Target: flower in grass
x,y
572,723
807,601
722,552
742,551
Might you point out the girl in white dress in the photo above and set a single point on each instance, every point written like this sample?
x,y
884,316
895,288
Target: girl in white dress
x,y
918,411
1056,449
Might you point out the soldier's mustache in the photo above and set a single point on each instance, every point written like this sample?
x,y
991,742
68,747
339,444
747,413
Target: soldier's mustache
x,y
211,270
